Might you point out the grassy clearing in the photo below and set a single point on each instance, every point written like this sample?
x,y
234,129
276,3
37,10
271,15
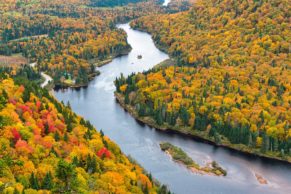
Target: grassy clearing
x,y
13,60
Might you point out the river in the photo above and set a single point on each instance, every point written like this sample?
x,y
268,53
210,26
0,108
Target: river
x,y
97,104
166,2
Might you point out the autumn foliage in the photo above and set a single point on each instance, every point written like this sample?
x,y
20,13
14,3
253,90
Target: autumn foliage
x,y
67,40
223,33
46,147
231,82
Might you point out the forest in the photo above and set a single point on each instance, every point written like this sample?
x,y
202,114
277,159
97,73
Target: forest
x,y
46,148
67,40
231,81
219,33
229,85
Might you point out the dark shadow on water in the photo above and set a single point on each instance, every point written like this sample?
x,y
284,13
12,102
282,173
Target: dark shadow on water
x,y
58,88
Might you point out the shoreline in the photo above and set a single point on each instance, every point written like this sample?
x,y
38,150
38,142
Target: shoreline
x,y
109,59
76,86
93,75
196,136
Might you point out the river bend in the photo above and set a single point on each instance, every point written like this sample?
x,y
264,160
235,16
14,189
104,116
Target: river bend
x,y
97,104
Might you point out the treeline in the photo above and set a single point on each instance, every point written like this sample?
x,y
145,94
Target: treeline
x,y
19,26
219,33
236,90
45,147
67,40
24,71
248,106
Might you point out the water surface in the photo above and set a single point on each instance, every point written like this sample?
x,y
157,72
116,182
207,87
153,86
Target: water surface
x,y
166,2
97,104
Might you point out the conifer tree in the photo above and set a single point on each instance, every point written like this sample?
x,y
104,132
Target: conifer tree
x,y
33,181
47,182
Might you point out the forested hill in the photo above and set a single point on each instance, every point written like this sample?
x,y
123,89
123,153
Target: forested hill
x,y
233,86
46,148
67,40
228,32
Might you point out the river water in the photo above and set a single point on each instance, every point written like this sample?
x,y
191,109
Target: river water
x,y
166,2
97,104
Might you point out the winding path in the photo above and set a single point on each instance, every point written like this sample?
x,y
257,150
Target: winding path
x,y
47,80
46,77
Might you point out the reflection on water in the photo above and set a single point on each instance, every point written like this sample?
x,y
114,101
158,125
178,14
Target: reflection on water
x,y
97,104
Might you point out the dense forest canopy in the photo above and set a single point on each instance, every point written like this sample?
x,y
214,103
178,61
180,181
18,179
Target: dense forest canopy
x,y
216,33
66,40
233,86
52,42
47,148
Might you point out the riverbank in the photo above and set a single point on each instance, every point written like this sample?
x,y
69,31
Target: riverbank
x,y
187,131
49,83
78,85
165,63
97,64
109,59
142,142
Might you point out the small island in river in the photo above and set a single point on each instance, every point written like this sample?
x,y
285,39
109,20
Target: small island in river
x,y
181,157
261,179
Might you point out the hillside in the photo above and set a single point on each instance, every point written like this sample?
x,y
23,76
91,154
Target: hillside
x,y
66,40
46,147
233,86
223,33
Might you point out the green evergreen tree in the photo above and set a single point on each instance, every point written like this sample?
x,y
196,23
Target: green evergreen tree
x,y
265,143
126,99
26,95
53,151
276,144
66,138
250,141
67,174
33,182
88,134
159,117
46,128
75,161
4,94
69,105
101,133
217,138
184,115
69,127
47,183
57,136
